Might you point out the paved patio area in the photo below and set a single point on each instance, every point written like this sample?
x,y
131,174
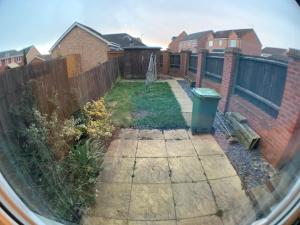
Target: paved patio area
x,y
154,177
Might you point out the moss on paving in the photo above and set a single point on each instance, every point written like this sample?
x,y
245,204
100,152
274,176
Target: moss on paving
x,y
135,105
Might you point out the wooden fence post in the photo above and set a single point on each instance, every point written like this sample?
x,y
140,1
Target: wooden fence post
x,y
231,58
166,63
201,66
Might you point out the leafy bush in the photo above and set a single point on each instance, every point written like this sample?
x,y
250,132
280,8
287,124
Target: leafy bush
x,y
98,120
56,157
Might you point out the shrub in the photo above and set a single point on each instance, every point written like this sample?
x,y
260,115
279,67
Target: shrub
x,y
84,164
68,183
98,120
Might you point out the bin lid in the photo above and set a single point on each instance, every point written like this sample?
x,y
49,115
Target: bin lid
x,y
206,92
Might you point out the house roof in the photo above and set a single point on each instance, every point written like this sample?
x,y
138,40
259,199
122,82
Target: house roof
x,y
87,29
10,53
26,50
275,53
197,35
226,33
124,40
43,57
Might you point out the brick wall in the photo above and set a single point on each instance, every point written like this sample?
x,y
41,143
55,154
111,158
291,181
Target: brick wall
x,y
174,45
91,49
280,135
210,84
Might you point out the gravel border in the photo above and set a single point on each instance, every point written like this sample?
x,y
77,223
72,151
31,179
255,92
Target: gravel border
x,y
251,167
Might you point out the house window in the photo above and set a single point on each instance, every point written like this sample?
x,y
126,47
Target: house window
x,y
220,42
210,43
3,62
9,60
232,43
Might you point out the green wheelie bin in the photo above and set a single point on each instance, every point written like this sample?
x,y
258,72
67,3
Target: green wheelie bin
x,y
205,103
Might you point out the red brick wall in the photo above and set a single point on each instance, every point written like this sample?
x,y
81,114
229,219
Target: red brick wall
x,y
279,141
210,84
227,77
174,45
250,45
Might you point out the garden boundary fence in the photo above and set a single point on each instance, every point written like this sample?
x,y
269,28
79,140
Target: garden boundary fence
x,y
264,90
50,82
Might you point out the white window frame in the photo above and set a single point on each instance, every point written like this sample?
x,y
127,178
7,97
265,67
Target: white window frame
x,y
231,43
220,42
210,43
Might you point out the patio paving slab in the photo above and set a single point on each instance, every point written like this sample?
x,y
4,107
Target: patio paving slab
x,y
162,222
176,148
193,200
93,220
151,134
151,148
112,201
186,170
128,133
151,170
122,148
207,147
151,202
179,134
229,193
205,220
217,166
117,170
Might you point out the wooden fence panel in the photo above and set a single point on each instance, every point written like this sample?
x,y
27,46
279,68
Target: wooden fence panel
x,y
214,68
261,82
94,83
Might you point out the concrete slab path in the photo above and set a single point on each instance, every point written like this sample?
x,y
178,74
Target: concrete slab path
x,y
154,177
183,99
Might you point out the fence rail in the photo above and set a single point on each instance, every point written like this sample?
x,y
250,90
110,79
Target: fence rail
x,y
261,82
214,68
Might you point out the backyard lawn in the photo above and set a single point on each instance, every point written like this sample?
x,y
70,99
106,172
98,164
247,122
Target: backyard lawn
x,y
134,105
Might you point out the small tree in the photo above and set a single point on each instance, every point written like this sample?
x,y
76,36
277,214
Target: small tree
x,y
24,58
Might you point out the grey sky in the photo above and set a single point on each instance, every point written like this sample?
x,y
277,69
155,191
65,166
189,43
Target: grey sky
x,y
40,22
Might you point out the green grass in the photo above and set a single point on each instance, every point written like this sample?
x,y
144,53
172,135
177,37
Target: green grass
x,y
134,105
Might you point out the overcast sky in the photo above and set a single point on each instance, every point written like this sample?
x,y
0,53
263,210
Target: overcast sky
x,y
41,22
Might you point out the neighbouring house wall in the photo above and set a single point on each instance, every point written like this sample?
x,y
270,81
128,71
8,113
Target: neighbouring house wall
x,y
189,45
33,52
174,45
250,45
92,50
201,43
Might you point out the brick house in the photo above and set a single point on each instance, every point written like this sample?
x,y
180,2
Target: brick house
x,y
245,39
17,57
92,46
194,42
174,45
